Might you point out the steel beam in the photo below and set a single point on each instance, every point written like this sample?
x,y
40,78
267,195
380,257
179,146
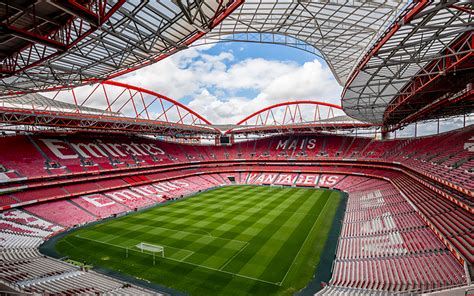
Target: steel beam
x,y
32,37
79,11
438,68
76,121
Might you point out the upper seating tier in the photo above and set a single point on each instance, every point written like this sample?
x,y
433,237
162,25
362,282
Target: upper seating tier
x,y
449,156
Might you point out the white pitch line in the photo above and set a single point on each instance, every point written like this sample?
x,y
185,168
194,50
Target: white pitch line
x,y
104,242
185,257
232,258
208,234
304,242
185,262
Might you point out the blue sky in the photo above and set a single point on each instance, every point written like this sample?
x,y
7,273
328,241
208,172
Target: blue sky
x,y
247,50
244,50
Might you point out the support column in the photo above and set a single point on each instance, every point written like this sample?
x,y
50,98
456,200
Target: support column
x,y
385,132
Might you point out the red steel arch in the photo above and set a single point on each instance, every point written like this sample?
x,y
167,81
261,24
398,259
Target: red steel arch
x,y
287,104
160,96
292,115
108,106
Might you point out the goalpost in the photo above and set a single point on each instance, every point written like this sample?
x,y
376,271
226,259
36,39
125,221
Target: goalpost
x,y
150,248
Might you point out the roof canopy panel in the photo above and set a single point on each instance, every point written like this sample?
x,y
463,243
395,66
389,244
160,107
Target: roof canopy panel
x,y
425,56
341,31
67,45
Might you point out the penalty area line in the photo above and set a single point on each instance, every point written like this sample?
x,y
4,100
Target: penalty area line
x,y
185,257
233,256
185,262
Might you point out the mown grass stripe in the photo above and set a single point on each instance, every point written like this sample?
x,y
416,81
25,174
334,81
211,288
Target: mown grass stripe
x,y
285,249
259,240
319,211
234,240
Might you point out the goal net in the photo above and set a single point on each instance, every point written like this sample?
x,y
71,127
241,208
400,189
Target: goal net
x,y
151,248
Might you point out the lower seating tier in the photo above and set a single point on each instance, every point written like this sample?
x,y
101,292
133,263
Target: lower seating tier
x,y
417,273
384,244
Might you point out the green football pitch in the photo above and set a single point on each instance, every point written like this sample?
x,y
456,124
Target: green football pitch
x,y
235,240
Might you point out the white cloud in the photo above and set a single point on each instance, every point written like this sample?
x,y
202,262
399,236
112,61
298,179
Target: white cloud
x,y
249,74
166,78
230,111
274,81
311,81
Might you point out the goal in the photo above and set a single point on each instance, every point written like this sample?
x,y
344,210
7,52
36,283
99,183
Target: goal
x,y
151,248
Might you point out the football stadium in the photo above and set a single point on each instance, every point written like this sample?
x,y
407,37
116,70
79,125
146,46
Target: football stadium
x,y
114,185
